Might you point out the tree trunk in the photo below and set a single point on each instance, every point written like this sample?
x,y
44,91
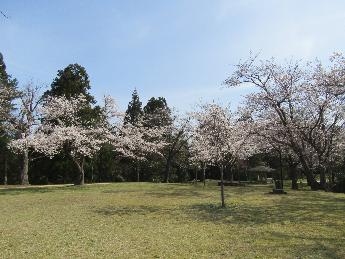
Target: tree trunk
x,y
137,168
204,174
167,170
222,185
322,178
293,173
332,177
80,179
238,173
24,177
246,174
5,168
196,175
314,185
308,182
91,171
294,183
231,175
281,170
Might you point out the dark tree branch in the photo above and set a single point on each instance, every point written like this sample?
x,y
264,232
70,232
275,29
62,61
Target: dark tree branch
x,y
7,17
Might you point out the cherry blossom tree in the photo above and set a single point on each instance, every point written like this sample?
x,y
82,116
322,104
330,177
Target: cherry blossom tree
x,y
24,124
219,139
176,137
61,129
297,106
137,141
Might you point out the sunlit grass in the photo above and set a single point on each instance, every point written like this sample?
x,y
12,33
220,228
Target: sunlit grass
x,y
142,220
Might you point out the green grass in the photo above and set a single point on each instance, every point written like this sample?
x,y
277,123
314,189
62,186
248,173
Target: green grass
x,y
142,220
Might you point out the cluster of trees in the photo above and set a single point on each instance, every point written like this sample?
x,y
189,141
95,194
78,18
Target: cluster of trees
x,y
293,120
297,111
63,135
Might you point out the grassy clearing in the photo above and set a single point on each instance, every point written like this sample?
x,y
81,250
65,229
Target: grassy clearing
x,y
143,220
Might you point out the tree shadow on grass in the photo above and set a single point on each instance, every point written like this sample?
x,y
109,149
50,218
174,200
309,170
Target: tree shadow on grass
x,y
322,246
42,189
311,209
119,210
18,191
120,191
248,189
176,193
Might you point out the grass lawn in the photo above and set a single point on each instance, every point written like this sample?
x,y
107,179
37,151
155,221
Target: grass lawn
x,y
143,220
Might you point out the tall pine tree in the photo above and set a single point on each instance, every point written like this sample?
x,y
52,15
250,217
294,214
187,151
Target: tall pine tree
x,y
72,81
157,113
8,92
134,110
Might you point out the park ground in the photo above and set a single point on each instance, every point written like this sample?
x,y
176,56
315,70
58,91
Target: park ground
x,y
144,220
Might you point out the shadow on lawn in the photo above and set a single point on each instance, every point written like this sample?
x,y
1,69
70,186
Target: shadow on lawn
x,y
177,193
316,208
120,191
17,191
322,246
43,189
118,210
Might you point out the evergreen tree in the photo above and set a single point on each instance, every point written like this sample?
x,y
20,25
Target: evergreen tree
x,y
134,110
157,113
70,82
8,92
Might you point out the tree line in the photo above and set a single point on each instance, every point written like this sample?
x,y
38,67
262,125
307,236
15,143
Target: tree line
x,y
293,120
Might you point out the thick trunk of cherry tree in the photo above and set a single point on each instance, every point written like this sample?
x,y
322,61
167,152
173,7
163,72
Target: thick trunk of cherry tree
x,y
292,172
314,185
137,169
294,183
204,174
167,169
332,177
24,170
4,169
293,176
238,173
322,178
80,179
222,185
196,175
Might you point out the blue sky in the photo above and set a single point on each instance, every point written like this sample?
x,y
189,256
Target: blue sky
x,y
180,49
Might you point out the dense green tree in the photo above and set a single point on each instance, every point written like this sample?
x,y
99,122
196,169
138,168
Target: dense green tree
x,y
157,113
134,110
73,81
70,82
8,93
